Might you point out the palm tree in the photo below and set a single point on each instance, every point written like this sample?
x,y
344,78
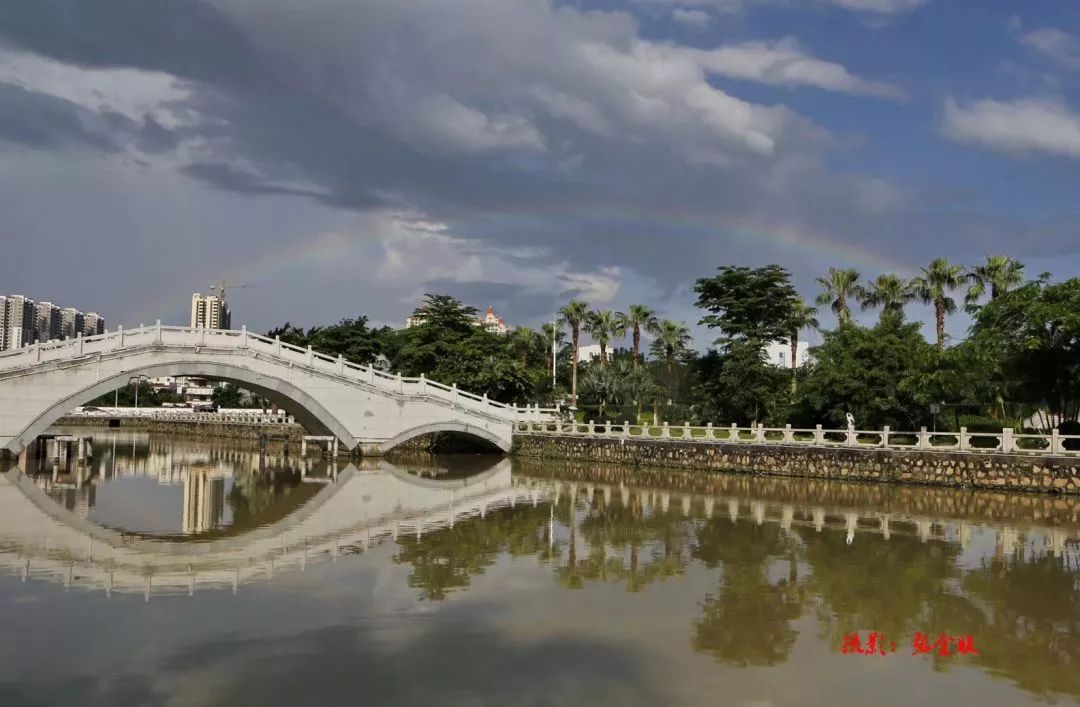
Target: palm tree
x,y
841,285
933,287
602,325
1000,273
574,314
523,342
639,317
890,292
671,340
802,316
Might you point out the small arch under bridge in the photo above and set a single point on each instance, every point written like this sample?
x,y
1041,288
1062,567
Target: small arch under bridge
x,y
359,405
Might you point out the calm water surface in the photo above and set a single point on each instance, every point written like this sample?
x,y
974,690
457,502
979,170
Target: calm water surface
x,y
188,572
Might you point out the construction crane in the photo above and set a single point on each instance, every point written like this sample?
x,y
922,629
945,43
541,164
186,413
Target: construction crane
x,y
222,288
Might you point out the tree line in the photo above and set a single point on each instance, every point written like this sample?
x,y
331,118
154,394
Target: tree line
x,y
1021,353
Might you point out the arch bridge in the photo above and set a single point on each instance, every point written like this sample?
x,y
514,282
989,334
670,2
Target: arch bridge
x,y
358,405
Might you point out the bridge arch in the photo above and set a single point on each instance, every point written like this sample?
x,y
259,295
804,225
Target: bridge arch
x,y
307,411
461,428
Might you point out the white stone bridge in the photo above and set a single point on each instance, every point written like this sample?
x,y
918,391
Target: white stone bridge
x,y
358,405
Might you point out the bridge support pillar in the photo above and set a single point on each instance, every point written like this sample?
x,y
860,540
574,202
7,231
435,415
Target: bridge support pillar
x,y
371,449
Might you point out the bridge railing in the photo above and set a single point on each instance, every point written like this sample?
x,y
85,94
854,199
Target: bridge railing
x,y
121,339
1007,441
237,416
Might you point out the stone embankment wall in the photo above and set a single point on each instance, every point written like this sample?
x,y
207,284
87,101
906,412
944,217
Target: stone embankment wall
x,y
223,430
1012,472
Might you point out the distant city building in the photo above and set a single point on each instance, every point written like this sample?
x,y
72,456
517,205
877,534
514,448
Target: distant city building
x,y
47,322
72,323
93,324
490,321
779,354
592,353
210,312
19,322
24,322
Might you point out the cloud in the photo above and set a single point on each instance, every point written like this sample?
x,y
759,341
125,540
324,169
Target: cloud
x,y
1056,45
784,63
692,18
1023,126
870,8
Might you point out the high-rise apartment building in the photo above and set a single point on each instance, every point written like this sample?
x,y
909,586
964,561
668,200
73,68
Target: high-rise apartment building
x,y
47,322
210,312
72,322
93,324
20,322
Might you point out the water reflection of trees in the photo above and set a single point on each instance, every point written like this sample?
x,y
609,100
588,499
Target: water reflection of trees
x,y
748,620
1023,611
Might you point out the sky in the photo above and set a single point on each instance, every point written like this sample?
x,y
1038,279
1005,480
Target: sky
x,y
343,158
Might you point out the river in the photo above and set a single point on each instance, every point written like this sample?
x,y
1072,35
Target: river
x,y
172,571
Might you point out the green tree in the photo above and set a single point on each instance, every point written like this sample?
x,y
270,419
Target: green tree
x,y
933,287
999,274
289,334
525,344
640,317
737,385
876,374
840,286
801,316
574,314
890,292
1036,331
747,304
602,325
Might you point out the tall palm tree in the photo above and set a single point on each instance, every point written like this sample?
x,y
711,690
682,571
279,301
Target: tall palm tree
x,y
523,342
890,292
639,317
602,325
933,287
574,314
841,285
1000,273
802,316
671,340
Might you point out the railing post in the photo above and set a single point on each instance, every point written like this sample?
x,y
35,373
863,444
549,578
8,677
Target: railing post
x,y
851,439
79,343
789,436
157,332
400,383
592,427
686,429
243,337
310,356
819,435
759,433
963,439
885,436
666,431
1055,442
453,396
626,428
924,439
710,433
277,345
120,339
341,364
1008,444
733,435
423,384
371,375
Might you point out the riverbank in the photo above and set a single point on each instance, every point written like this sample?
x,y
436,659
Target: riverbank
x,y
992,471
217,429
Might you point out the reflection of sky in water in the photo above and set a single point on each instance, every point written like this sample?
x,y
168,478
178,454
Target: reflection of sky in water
x,y
518,624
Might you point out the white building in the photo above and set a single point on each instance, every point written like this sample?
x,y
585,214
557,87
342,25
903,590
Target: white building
x,y
19,322
779,354
210,312
591,352
47,322
494,323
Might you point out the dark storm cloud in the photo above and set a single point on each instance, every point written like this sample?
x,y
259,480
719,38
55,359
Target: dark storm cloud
x,y
41,121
